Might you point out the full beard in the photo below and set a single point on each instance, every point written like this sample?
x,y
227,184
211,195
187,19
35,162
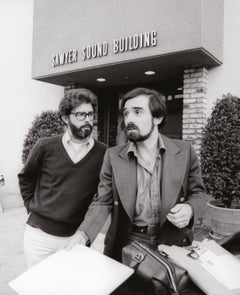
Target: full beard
x,y
81,133
133,133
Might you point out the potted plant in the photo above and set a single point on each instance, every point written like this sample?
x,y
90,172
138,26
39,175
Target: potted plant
x,y
220,161
44,125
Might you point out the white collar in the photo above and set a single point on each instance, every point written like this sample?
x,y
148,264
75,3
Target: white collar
x,y
67,139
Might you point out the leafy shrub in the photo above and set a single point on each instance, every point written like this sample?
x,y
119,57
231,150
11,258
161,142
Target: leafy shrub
x,y
220,153
46,124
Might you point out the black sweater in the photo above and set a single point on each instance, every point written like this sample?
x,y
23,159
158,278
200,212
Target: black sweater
x,y
56,191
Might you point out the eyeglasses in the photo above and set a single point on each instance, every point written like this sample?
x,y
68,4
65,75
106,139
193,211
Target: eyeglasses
x,y
80,116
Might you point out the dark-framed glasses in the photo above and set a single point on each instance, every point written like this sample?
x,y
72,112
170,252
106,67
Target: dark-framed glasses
x,y
80,116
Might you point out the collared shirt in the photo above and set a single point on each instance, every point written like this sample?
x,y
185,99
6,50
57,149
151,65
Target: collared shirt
x,y
148,203
76,151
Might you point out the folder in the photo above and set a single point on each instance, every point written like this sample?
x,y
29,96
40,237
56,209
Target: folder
x,y
214,270
79,271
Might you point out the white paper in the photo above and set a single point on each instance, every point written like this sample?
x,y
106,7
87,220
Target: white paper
x,y
213,280
224,267
79,271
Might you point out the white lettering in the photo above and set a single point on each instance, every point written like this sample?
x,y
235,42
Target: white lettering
x,y
83,53
131,43
70,57
61,56
75,53
115,46
99,49
95,50
141,40
154,38
105,48
88,52
128,43
134,42
65,57
146,39
54,63
121,45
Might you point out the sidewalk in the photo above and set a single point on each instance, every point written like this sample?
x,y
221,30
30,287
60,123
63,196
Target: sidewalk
x,y
12,262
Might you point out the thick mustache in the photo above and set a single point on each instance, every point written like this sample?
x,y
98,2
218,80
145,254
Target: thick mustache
x,y
131,126
86,125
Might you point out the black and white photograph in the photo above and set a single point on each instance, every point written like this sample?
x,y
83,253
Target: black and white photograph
x,y
120,147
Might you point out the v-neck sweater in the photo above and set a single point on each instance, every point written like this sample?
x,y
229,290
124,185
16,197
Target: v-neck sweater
x,y
56,191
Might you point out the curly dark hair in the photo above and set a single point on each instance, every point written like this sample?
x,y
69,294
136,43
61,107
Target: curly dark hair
x,y
75,97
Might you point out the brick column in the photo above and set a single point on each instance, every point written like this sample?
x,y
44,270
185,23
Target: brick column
x,y
194,105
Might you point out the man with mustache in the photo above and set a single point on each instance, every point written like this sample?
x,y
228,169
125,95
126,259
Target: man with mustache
x,y
151,186
60,179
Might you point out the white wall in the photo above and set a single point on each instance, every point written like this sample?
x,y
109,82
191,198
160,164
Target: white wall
x,y
226,78
21,98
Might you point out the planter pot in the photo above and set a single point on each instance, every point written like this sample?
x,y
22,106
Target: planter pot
x,y
225,221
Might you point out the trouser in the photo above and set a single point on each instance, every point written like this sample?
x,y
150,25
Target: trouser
x,y
38,245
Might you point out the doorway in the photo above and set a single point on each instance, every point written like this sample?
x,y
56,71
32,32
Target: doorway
x,y
110,117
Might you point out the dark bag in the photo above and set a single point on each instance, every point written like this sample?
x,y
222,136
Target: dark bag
x,y
154,269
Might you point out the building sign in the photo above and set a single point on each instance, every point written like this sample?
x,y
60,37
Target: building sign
x,y
121,45
135,42
63,58
96,50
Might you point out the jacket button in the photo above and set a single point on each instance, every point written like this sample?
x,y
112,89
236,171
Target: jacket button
x,y
182,200
184,241
115,203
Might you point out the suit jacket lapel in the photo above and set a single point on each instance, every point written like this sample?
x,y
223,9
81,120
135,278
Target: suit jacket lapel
x,y
173,172
125,174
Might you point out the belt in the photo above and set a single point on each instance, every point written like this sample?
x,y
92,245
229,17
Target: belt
x,y
146,229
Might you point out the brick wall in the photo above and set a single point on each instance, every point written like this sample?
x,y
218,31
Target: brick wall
x,y
194,105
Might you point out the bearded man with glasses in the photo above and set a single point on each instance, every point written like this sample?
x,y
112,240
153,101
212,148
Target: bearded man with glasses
x,y
60,178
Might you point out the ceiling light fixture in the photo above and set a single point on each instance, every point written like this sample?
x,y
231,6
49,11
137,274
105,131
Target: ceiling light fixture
x,y
101,80
149,73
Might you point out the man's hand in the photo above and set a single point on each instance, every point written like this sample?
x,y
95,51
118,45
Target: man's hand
x,y
78,238
180,215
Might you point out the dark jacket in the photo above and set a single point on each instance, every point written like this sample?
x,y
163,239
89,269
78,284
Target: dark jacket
x,y
181,182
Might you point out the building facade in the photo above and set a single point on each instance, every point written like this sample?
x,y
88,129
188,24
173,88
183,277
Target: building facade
x,y
188,50
113,46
